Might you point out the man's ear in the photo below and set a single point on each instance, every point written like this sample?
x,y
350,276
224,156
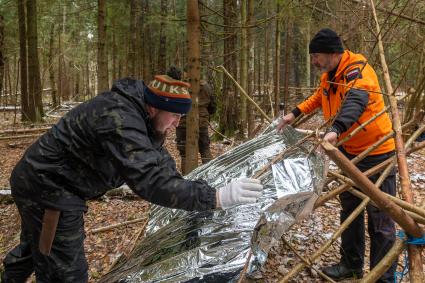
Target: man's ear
x,y
152,111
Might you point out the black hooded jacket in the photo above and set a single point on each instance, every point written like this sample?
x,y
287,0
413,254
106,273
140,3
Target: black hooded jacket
x,y
98,146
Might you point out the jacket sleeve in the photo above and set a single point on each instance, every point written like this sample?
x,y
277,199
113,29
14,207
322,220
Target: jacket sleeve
x,y
149,172
358,81
311,103
353,107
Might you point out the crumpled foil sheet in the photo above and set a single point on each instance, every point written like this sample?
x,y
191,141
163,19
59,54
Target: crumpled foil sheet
x,y
213,246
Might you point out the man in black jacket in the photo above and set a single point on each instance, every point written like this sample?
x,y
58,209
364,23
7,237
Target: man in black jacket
x,y
114,138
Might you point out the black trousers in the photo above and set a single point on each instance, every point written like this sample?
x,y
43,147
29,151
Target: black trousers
x,y
381,227
203,143
66,263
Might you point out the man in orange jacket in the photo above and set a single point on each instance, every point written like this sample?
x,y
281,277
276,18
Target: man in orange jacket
x,y
349,89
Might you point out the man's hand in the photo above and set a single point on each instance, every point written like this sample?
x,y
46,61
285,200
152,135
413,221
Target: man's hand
x,y
239,191
331,137
286,120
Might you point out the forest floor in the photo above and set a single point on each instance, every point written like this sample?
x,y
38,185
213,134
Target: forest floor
x,y
103,248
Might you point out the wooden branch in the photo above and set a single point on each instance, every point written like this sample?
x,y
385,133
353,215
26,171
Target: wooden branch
x,y
244,93
415,258
359,194
362,126
330,195
334,237
280,156
111,227
302,119
405,221
306,261
245,267
20,137
220,134
362,155
415,20
137,239
30,130
385,263
372,171
405,205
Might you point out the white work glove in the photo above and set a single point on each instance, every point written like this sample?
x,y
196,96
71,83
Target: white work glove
x,y
239,191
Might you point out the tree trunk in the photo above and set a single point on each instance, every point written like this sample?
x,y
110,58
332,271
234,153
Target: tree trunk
x,y
193,51
266,72
102,58
132,58
34,82
61,62
260,87
87,91
25,109
251,78
228,114
55,101
162,52
277,63
243,71
2,58
147,46
139,40
287,65
307,61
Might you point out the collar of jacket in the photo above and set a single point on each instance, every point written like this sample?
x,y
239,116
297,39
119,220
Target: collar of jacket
x,y
348,59
134,90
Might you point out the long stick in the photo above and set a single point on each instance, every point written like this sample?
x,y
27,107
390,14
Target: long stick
x,y
405,221
323,248
306,261
385,263
417,210
415,258
246,95
110,227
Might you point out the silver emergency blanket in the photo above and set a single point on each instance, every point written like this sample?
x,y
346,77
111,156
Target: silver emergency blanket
x,y
213,246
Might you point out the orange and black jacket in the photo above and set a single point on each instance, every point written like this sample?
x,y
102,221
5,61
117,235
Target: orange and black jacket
x,y
357,80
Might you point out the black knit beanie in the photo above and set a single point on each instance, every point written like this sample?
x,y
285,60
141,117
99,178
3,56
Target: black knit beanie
x,y
326,41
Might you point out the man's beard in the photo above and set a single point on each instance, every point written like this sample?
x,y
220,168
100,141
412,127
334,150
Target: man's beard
x,y
159,136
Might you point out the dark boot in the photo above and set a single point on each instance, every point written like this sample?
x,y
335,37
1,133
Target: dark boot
x,y
340,271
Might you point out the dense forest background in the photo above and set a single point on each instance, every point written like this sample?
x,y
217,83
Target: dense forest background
x,y
54,51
